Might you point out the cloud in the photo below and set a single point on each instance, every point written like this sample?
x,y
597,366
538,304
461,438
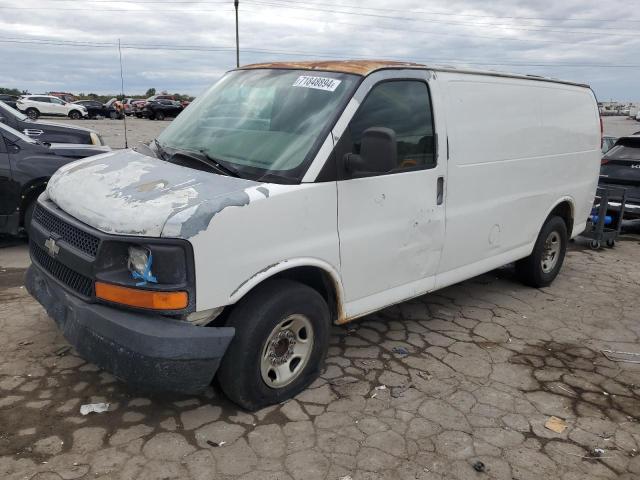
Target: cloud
x,y
182,45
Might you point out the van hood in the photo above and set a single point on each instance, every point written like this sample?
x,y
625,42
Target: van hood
x,y
128,193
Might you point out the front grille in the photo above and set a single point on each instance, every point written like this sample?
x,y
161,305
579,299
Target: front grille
x,y
80,239
71,278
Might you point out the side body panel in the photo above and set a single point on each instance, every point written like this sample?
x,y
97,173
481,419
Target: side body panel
x,y
517,149
281,227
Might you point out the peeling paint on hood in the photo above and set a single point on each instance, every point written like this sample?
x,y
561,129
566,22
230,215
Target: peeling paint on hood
x,y
128,193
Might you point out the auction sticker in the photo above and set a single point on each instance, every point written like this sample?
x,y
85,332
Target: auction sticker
x,y
319,83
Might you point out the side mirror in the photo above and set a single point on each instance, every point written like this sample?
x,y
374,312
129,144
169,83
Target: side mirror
x,y
378,153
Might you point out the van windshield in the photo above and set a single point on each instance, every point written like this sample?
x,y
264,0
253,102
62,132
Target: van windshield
x,y
261,122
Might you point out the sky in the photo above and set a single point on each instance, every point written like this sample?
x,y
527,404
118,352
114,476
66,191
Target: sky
x,y
185,45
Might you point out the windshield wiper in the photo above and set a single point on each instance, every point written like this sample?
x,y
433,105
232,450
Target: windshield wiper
x,y
160,150
204,159
232,172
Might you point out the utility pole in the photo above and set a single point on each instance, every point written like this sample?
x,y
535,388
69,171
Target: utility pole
x,y
235,3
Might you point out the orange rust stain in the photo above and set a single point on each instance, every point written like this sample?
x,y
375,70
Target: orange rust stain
x,y
358,67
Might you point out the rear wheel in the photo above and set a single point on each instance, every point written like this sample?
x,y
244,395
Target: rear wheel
x,y
281,340
32,113
543,265
159,116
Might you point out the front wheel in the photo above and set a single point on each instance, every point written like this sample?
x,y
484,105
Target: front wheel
x,y
74,115
159,116
32,113
543,265
280,343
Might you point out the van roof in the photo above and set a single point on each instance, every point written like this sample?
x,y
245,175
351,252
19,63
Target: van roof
x,y
366,67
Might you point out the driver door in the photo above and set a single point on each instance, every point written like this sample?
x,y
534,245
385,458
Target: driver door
x,y
391,223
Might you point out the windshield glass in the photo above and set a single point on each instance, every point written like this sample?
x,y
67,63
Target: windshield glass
x,y
16,133
6,109
262,121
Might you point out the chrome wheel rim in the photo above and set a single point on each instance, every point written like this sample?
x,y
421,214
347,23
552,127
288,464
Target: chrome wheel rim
x,y
551,252
286,351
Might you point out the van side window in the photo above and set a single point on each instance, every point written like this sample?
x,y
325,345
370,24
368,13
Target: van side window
x,y
403,106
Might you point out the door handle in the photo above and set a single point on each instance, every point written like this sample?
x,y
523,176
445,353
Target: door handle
x,y
440,191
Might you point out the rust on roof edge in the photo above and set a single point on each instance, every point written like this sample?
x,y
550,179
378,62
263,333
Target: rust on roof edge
x,y
366,67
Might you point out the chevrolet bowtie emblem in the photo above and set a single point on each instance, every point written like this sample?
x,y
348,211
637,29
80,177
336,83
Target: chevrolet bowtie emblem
x,y
52,247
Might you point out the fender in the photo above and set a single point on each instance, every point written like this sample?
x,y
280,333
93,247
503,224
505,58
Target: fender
x,y
572,204
267,272
28,190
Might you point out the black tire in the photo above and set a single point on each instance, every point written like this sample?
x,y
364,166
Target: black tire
x,y
159,116
75,115
28,215
32,113
254,318
530,270
611,243
595,245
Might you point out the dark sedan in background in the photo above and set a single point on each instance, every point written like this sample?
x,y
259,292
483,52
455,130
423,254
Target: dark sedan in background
x,y
47,132
25,168
621,168
98,109
160,109
9,100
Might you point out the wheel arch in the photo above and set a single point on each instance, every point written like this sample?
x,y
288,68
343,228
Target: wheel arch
x,y
565,209
30,193
315,273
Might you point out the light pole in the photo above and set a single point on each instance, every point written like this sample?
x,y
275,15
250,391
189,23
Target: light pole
x,y
235,3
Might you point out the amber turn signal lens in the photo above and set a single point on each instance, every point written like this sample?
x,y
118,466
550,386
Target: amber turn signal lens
x,y
134,297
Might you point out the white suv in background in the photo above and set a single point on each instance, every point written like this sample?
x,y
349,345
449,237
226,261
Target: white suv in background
x,y
36,105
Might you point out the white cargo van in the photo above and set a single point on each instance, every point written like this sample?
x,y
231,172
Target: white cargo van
x,y
291,196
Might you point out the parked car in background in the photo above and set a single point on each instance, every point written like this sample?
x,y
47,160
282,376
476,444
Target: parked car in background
x,y
64,96
47,132
620,167
638,116
95,109
161,109
357,173
128,104
161,97
608,142
9,100
26,165
116,105
36,105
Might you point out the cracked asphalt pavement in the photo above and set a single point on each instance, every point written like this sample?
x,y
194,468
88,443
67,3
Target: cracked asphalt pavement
x,y
421,390
458,384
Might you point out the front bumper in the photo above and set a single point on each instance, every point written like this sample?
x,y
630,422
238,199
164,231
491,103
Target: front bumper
x,y
151,352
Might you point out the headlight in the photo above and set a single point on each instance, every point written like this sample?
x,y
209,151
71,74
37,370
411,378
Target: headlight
x,y
154,274
95,139
139,264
